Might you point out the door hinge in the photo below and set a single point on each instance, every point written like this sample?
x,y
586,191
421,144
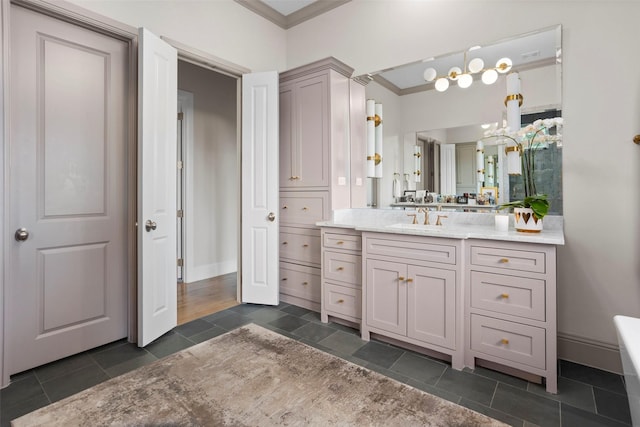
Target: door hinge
x,y
180,164
180,262
180,213
180,116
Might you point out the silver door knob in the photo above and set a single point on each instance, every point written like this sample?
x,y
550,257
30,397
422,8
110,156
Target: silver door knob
x,y
21,234
150,225
271,217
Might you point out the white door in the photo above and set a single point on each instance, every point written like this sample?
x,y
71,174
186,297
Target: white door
x,y
67,275
157,163
260,188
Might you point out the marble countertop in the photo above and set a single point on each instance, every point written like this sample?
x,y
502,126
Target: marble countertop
x,y
460,226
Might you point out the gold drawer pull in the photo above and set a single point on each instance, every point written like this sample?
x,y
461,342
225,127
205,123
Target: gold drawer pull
x,y
504,260
504,341
504,296
305,283
401,278
409,280
305,208
284,278
285,207
340,268
285,243
340,242
305,245
340,301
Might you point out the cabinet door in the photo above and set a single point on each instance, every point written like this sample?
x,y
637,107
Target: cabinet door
x,y
287,151
387,296
311,165
431,301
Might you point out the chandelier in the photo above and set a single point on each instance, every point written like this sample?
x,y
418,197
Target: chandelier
x,y
464,75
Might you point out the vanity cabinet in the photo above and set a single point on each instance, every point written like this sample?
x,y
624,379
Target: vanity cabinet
x,y
511,307
412,291
341,275
322,159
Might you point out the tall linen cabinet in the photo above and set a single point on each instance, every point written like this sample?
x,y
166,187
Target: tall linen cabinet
x,y
322,167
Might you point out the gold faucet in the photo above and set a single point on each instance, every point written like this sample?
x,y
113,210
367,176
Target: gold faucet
x,y
438,222
415,221
426,215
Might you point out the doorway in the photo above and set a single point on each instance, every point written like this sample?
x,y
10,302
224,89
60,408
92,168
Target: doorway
x,y
208,191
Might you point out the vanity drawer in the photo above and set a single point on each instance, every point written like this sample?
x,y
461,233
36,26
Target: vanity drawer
x,y
517,296
508,258
300,244
509,340
345,268
342,241
299,281
304,207
409,247
343,300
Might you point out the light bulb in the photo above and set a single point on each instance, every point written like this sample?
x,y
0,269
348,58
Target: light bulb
x,y
489,77
430,74
475,65
454,73
504,65
442,84
465,81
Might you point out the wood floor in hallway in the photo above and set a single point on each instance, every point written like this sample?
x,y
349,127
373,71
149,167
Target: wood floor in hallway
x,y
205,297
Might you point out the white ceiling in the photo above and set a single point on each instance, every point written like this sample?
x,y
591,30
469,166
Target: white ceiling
x,y
287,7
288,13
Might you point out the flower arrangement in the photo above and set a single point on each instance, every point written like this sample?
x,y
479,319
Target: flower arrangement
x,y
529,139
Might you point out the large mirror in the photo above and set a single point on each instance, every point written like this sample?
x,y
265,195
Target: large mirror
x,y
444,127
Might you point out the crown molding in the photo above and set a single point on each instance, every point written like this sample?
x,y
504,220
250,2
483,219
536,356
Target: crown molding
x,y
311,11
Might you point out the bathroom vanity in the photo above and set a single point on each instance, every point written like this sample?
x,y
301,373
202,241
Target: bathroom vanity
x,y
461,290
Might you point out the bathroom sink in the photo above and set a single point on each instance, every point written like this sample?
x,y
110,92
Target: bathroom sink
x,y
417,227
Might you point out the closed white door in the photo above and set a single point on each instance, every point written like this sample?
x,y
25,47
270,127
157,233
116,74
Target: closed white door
x,y
157,165
67,186
260,188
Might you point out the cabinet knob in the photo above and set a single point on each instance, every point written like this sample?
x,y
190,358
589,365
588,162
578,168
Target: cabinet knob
x,y
401,278
340,268
305,245
504,260
284,279
340,242
305,283
504,296
285,243
504,341
340,301
305,208
409,280
285,207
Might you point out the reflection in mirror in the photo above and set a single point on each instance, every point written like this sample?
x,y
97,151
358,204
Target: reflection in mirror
x,y
446,126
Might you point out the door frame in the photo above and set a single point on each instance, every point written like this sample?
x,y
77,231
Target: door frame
x,y
77,15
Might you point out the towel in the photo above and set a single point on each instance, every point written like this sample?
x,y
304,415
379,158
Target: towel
x,y
397,187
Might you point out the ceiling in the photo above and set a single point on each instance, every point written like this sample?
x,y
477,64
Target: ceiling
x,y
289,13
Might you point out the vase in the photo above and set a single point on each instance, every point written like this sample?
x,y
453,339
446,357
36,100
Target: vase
x,y
526,221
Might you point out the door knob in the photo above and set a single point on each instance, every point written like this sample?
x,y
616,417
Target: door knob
x,y
271,217
150,225
21,234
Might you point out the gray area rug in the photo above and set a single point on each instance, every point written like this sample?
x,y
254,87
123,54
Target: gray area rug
x,y
253,377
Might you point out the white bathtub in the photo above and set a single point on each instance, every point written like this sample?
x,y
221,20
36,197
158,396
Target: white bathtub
x,y
629,338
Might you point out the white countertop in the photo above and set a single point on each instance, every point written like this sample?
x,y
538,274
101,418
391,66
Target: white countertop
x,y
460,226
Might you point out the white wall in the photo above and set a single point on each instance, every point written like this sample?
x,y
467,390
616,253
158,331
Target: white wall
x,y
599,271
222,28
213,209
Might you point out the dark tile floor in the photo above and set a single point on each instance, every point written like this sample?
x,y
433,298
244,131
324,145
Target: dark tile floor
x,y
587,397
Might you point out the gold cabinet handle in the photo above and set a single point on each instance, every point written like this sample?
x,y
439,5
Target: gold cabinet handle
x,y
504,341
284,278
340,268
504,296
409,280
305,208
305,283
285,207
504,260
285,243
340,301
340,242
305,245
401,278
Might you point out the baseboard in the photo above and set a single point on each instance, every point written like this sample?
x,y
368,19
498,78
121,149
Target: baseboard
x,y
208,271
588,352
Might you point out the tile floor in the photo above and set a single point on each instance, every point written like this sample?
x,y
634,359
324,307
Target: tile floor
x,y
587,397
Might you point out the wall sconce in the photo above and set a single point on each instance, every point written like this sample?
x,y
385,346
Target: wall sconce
x,y
480,161
513,102
464,76
491,172
374,139
417,155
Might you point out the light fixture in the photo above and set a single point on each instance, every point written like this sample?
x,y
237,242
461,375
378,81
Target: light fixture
x,y
417,155
374,139
464,76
